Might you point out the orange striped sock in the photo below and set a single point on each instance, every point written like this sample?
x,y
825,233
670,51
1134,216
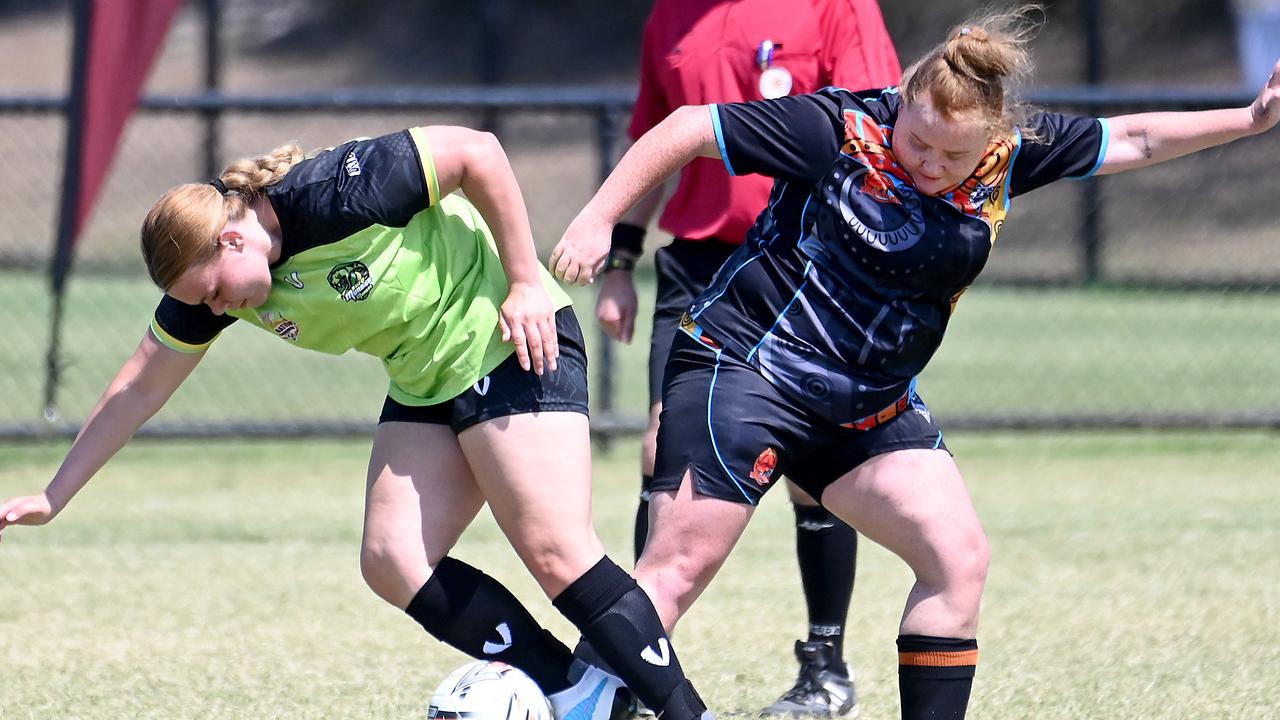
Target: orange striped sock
x,y
935,676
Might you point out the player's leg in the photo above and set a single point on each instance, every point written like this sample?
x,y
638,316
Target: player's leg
x,y
648,451
683,269
530,452
691,537
826,550
420,497
723,435
915,503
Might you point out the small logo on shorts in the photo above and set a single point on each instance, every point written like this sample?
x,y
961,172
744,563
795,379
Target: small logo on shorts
x,y
482,387
762,471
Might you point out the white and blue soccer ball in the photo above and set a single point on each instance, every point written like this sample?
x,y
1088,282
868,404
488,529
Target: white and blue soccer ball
x,y
488,690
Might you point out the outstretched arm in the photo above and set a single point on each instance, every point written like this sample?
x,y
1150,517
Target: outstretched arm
x,y
685,134
138,391
474,161
1150,138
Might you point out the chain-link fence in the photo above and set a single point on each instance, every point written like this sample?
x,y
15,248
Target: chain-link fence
x,y
1164,313
1149,298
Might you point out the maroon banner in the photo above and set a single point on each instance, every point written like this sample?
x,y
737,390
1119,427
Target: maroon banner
x,y
123,40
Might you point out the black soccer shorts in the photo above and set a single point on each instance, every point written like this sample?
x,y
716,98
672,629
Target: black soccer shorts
x,y
724,422
510,389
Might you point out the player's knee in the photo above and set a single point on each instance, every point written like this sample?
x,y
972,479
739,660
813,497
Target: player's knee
x,y
378,568
967,565
556,564
675,577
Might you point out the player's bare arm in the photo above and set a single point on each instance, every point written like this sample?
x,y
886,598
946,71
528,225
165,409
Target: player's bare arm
x,y
474,161
1150,138
143,385
685,134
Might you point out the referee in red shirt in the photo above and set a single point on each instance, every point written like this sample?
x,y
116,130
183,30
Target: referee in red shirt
x,y
697,52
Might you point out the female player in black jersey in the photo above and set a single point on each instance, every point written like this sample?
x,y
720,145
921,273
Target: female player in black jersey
x,y
366,246
801,356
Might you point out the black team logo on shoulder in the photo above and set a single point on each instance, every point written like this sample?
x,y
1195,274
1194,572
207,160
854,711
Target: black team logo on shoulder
x,y
352,281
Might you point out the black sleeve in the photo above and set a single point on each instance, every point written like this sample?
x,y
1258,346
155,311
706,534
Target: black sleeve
x,y
342,191
189,325
792,138
1063,147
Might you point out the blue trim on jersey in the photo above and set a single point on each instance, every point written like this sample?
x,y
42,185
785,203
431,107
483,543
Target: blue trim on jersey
x,y
800,290
719,131
711,433
804,228
1102,151
1008,175
727,282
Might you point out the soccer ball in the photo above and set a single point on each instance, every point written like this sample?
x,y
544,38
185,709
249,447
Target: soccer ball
x,y
488,690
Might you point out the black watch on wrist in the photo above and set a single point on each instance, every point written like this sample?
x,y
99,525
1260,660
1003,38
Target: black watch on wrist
x,y
619,262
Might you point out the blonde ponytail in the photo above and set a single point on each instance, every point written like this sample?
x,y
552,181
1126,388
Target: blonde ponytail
x,y
981,66
250,175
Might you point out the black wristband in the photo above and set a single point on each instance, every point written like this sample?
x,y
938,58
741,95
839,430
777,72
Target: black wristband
x,y
627,240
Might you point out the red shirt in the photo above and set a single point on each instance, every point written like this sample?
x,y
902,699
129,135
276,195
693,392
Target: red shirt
x,y
697,52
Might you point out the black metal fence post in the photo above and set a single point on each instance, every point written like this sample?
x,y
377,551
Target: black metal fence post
x,y
606,143
60,261
1091,194
212,114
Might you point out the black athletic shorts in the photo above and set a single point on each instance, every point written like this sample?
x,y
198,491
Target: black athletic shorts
x,y
685,269
510,389
724,421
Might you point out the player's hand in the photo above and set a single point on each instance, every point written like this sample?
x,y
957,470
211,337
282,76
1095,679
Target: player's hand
x,y
26,510
616,305
581,253
1266,109
528,320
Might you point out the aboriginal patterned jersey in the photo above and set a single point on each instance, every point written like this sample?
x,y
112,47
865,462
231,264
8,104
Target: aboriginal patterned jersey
x,y
374,259
844,287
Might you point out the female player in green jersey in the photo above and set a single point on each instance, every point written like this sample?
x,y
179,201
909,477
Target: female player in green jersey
x,y
363,246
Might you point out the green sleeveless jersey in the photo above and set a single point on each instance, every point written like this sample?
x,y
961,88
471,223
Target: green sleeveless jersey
x,y
373,259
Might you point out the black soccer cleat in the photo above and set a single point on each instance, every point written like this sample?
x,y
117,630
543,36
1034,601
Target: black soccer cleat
x,y
824,686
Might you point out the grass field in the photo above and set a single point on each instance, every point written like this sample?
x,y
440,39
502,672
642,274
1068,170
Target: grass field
x,y
1134,576
1008,352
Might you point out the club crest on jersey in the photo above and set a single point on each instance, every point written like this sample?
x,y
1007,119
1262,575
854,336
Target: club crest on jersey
x,y
352,280
762,471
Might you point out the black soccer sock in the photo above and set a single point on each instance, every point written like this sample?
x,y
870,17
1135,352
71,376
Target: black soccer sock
x,y
935,676
474,613
827,550
619,621
642,515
